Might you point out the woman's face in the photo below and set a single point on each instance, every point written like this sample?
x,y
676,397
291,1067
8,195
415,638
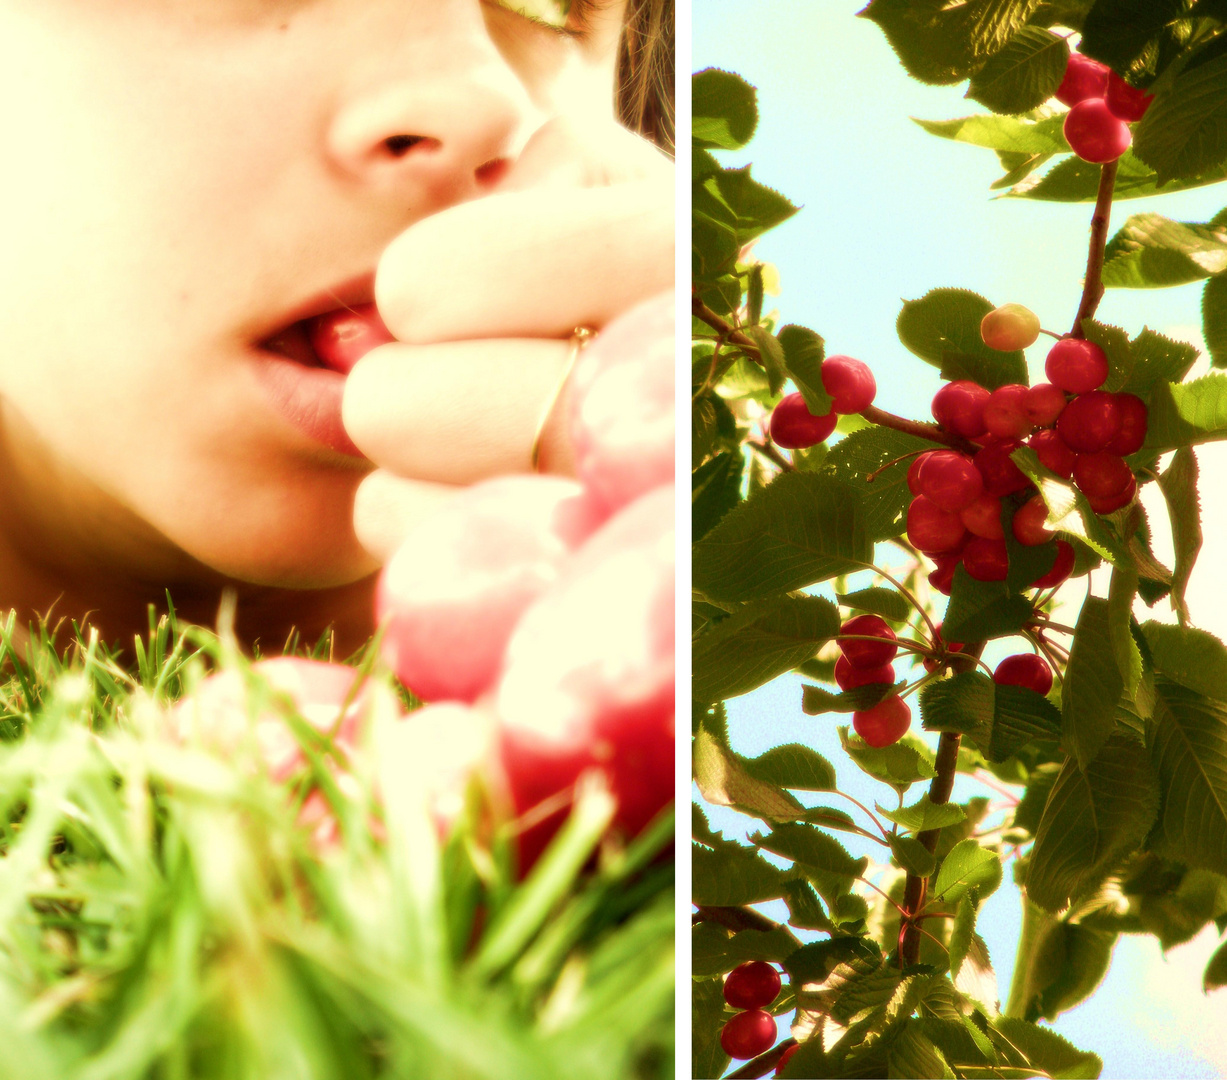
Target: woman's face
x,y
185,180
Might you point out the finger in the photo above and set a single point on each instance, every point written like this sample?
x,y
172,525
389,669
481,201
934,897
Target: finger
x,y
386,507
567,152
458,412
532,263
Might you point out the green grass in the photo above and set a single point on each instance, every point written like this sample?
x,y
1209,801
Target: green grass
x,y
163,914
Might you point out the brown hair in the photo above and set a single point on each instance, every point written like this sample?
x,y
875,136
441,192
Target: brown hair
x,y
645,71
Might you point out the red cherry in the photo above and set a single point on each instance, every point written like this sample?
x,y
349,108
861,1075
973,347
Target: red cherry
x,y
868,654
1106,504
1029,525
1090,422
1001,475
1026,670
1060,569
343,337
1076,365
885,723
1009,327
849,382
1094,134
959,407
913,472
1102,475
932,529
1054,455
785,1058
1044,404
1126,102
1005,412
986,560
1132,432
983,517
950,480
748,1034
794,427
942,576
848,677
752,985
1084,78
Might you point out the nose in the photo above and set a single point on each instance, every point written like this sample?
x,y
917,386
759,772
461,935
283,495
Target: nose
x,y
447,125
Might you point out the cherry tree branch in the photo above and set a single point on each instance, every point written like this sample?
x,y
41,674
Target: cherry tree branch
x,y
1092,286
939,793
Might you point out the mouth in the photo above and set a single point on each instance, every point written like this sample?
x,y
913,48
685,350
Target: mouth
x,y
307,357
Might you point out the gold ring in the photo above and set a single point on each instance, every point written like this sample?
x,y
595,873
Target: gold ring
x,y
581,337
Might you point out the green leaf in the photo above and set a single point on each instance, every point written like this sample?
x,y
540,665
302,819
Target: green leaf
x,y
1154,359
940,44
713,952
1024,74
1184,132
733,876
812,849
1123,589
962,703
878,601
1214,320
1005,134
912,855
1193,658
1021,716
801,528
1018,167
803,356
1075,180
804,908
968,866
792,766
979,610
754,645
886,497
1048,1051
813,963
754,295
899,765
1093,684
924,815
707,1020
1115,344
1188,745
1077,958
1094,818
1151,251
961,1041
1172,902
715,490
1119,32
1189,413
771,353
912,1056
1179,486
724,110
815,701
723,780
943,328
961,930
1216,970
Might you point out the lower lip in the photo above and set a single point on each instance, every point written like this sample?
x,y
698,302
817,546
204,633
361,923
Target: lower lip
x,y
309,398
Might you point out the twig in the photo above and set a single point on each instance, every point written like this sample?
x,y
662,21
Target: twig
x,y
1092,286
939,793
772,454
890,900
872,816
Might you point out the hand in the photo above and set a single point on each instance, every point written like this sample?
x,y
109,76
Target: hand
x,y
483,299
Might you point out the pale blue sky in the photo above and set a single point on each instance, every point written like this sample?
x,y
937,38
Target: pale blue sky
x,y
889,213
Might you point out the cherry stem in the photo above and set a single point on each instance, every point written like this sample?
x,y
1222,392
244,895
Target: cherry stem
x,y
893,903
940,788
903,643
990,781
1049,654
764,1063
711,372
1092,288
1050,333
773,455
872,817
871,477
908,595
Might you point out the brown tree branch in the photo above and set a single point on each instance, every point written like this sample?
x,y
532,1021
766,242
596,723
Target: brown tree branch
x,y
1092,286
914,887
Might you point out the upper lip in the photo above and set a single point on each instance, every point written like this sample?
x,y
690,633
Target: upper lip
x,y
351,293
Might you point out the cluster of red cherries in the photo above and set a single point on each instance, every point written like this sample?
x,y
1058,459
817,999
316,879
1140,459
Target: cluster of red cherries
x,y
750,988
852,388
1076,429
867,648
1102,106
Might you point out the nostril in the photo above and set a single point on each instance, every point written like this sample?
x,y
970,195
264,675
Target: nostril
x,y
400,145
492,171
